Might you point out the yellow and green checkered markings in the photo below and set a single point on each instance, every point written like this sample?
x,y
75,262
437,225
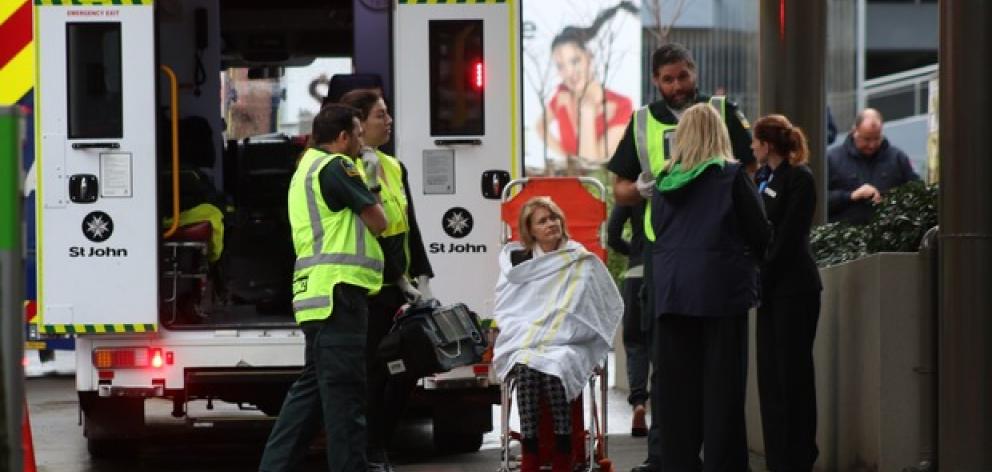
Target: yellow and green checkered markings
x,y
98,328
91,2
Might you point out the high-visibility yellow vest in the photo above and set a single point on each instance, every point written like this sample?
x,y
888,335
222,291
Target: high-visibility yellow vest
x,y
393,195
332,247
653,139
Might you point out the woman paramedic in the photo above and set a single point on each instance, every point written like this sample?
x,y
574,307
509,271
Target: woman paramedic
x,y
404,259
558,309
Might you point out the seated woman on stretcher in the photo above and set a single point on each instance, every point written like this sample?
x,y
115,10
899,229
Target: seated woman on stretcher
x,y
558,310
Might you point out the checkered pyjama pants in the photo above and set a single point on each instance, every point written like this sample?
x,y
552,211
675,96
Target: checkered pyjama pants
x,y
531,385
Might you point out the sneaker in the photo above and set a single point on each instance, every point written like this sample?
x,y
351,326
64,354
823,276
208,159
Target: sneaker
x,y
638,424
645,467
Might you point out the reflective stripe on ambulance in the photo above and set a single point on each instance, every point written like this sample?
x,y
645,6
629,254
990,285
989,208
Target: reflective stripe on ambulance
x,y
98,328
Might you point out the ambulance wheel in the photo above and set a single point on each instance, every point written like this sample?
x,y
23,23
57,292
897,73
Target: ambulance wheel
x,y
113,426
457,442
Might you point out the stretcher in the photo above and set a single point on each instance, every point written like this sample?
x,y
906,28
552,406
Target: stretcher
x,y
585,213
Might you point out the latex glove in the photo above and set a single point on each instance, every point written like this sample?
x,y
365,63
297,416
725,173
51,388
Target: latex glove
x,y
424,285
409,291
371,161
645,185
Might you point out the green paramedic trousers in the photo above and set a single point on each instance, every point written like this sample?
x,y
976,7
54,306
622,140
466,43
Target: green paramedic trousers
x,y
330,391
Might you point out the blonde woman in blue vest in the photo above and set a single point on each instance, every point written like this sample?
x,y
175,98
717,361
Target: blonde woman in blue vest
x,y
334,220
405,260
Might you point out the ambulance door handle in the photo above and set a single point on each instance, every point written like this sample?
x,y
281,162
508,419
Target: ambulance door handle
x,y
96,145
458,142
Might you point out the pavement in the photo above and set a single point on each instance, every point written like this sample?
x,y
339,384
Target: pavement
x,y
235,444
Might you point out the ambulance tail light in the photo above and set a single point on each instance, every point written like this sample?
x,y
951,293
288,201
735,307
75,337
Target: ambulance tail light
x,y
131,358
156,357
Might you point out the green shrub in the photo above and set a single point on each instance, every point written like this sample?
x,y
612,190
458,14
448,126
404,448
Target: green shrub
x,y
898,225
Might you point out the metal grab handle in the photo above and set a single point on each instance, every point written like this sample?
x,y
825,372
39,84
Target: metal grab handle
x,y
174,106
96,145
457,142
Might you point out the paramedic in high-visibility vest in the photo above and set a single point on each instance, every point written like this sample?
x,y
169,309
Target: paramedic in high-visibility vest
x,y
405,260
335,219
641,155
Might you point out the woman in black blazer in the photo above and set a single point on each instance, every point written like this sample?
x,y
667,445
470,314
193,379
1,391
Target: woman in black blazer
x,y
790,300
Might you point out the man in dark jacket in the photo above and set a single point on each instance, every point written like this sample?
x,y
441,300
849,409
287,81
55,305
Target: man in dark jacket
x,y
863,169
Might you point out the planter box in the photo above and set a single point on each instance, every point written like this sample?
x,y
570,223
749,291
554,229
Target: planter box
x,y
874,378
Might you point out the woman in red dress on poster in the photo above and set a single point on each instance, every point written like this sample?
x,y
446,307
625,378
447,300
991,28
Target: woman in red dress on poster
x,y
584,120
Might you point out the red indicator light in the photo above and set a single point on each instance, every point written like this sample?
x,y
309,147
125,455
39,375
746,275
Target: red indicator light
x,y
156,356
106,375
170,358
478,75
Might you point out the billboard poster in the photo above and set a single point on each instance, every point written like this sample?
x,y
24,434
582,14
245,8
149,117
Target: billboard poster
x,y
582,81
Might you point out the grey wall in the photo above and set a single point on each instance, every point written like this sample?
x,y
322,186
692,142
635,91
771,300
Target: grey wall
x,y
901,26
870,341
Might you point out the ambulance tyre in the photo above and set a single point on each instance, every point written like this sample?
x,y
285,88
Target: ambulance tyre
x,y
457,441
113,426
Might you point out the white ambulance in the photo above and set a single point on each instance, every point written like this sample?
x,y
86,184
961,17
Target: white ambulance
x,y
146,108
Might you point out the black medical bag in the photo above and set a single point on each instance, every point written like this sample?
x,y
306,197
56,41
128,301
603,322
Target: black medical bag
x,y
427,339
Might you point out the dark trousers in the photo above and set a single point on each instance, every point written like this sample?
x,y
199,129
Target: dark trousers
x,y
387,395
702,363
330,390
648,326
636,342
786,384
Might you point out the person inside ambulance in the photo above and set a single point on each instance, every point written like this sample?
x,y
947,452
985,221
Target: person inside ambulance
x,y
405,260
558,310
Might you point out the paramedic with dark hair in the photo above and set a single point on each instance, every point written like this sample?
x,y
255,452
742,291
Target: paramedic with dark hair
x,y
642,154
334,219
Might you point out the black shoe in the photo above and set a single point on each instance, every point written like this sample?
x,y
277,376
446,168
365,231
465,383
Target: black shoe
x,y
645,467
380,467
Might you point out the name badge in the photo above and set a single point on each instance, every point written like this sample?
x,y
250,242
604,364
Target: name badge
x,y
770,192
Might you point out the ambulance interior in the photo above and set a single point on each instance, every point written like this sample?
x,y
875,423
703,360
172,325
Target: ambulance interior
x,y
251,75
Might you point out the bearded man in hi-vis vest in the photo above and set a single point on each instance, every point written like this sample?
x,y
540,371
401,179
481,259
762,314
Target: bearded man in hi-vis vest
x,y
639,158
335,219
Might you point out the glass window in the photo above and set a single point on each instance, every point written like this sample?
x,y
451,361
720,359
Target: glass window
x,y
93,51
255,104
457,78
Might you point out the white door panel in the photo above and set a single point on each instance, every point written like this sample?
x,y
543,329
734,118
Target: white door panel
x,y
465,256
98,234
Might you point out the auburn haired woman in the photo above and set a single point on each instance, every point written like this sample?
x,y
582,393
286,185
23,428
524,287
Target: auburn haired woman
x,y
790,301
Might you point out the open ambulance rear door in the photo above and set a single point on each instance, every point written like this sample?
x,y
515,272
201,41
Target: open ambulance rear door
x,y
458,131
97,224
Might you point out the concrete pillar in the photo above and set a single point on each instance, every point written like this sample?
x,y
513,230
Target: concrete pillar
x,y
11,293
791,80
965,216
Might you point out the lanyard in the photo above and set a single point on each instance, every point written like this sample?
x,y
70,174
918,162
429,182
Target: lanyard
x,y
764,183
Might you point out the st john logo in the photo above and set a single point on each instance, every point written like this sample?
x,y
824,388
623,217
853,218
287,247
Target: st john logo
x,y
457,222
97,226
